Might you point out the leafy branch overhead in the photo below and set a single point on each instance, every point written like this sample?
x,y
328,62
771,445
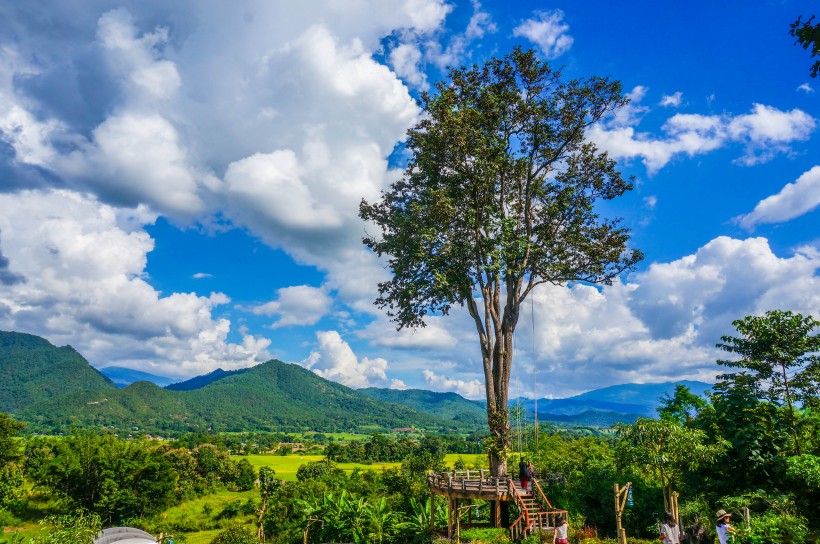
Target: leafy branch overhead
x,y
808,36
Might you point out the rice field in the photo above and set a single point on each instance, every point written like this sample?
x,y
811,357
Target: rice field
x,y
287,465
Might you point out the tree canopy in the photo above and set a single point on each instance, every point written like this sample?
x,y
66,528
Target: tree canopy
x,y
779,358
499,196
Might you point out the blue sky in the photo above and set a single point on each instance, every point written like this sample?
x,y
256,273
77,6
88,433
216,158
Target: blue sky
x,y
179,182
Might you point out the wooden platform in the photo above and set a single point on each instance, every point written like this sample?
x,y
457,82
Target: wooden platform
x,y
536,511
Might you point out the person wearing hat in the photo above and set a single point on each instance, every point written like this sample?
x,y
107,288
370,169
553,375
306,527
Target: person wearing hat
x,y
723,527
670,532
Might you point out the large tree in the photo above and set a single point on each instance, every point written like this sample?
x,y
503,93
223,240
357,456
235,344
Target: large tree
x,y
499,196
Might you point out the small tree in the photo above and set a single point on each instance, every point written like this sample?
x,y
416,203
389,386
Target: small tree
x,y
683,406
499,197
666,450
268,486
780,359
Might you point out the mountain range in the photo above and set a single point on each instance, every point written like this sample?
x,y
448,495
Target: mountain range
x,y
52,388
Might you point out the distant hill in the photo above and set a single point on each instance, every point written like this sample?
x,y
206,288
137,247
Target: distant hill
x,y
445,405
599,408
199,382
121,376
53,388
32,370
632,398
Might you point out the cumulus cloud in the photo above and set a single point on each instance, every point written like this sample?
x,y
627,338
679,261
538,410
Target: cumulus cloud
x,y
406,60
658,325
794,200
149,106
764,132
806,88
473,389
548,31
298,305
335,360
672,100
84,265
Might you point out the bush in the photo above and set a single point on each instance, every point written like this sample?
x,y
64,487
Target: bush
x,y
485,536
237,534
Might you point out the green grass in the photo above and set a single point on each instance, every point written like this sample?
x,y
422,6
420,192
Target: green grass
x,y
287,465
470,459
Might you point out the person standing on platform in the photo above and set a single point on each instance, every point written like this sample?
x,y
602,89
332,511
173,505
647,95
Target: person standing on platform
x,y
524,473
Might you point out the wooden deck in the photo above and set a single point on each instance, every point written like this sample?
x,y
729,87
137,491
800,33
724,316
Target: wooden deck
x,y
536,511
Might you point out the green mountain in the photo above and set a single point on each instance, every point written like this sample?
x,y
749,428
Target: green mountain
x,y
53,388
445,405
32,370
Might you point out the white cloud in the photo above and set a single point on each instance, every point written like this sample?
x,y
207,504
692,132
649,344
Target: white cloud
x,y
794,200
138,158
664,323
806,88
481,23
764,132
298,305
672,100
335,360
767,130
435,336
633,112
453,54
548,31
650,202
202,275
473,389
84,286
136,59
406,60
319,114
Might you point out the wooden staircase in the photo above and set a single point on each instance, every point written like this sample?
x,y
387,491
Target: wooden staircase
x,y
537,513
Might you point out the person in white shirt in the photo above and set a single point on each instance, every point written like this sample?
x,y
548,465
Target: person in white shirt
x,y
561,535
723,527
670,532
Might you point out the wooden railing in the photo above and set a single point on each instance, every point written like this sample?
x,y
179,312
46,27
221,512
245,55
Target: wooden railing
x,y
520,527
541,497
478,482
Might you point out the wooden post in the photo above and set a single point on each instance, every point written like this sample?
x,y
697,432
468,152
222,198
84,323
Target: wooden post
x,y
674,504
620,504
449,518
458,521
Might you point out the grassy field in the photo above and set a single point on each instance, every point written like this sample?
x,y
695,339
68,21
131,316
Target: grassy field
x,y
287,465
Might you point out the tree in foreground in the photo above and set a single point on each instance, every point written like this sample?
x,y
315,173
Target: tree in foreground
x,y
779,358
499,196
665,449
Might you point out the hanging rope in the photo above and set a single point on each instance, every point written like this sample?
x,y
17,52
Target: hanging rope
x,y
534,377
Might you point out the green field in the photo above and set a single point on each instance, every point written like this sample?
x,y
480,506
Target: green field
x,y
287,465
